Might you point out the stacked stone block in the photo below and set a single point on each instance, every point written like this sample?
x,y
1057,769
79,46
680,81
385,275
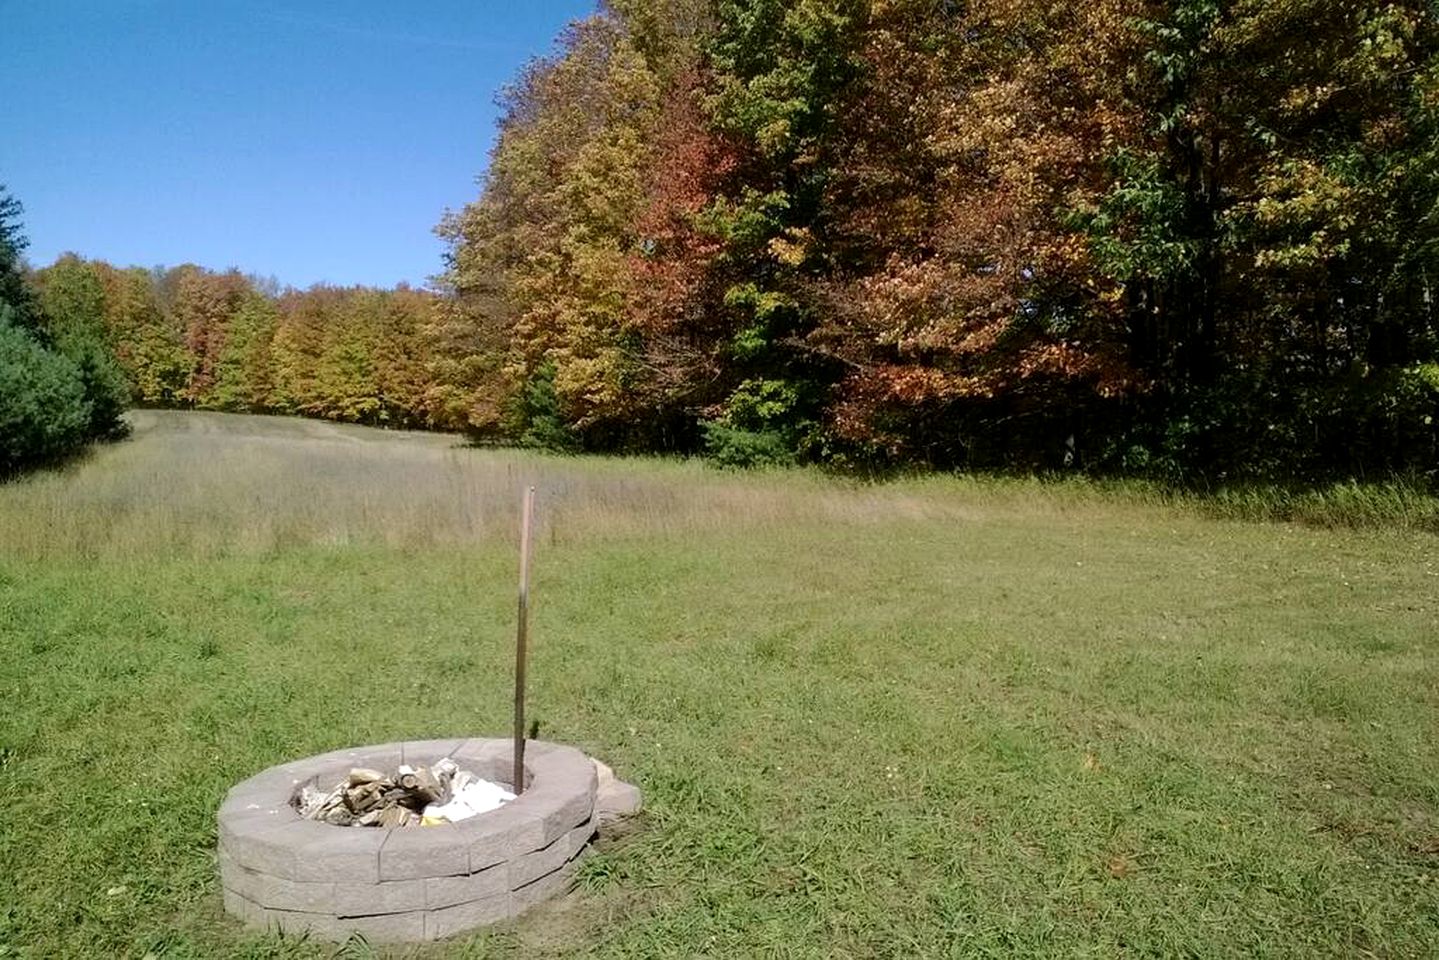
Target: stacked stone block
x,y
408,883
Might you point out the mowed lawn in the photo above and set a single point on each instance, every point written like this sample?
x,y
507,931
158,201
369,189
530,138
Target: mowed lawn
x,y
931,718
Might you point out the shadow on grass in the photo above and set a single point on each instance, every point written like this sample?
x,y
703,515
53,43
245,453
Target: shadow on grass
x,y
57,464
66,461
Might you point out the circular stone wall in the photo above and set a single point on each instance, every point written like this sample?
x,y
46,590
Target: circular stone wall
x,y
407,883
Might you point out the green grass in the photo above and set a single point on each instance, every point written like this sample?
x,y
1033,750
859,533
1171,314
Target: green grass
x,y
1383,505
933,718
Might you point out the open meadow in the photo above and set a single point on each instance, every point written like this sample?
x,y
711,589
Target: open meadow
x,y
934,717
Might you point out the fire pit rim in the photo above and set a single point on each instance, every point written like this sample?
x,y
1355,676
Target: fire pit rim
x,y
557,775
412,883
258,819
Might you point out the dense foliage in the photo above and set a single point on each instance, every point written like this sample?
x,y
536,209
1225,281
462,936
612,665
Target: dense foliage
x,y
192,337
1179,237
59,385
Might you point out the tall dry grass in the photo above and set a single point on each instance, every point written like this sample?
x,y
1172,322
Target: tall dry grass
x,y
192,483
203,483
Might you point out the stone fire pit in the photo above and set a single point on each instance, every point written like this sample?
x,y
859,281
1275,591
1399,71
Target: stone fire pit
x,y
419,882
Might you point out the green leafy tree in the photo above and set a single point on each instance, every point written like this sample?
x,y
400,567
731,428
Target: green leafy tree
x,y
244,376
779,71
1268,221
72,305
43,411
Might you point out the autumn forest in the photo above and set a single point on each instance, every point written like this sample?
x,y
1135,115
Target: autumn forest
x,y
1185,239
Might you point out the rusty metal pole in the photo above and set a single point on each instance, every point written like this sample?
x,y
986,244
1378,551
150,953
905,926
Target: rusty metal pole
x,y
522,638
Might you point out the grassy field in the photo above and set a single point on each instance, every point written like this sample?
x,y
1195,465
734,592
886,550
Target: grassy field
x,y
932,718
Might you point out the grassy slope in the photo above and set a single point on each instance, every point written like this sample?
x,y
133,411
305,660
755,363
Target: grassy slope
x,y
929,719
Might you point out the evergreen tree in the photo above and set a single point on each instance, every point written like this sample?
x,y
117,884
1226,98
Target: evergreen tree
x,y
14,290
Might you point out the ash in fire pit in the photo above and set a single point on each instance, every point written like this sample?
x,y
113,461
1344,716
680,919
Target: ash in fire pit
x,y
423,795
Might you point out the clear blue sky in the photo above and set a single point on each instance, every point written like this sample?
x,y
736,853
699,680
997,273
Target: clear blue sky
x,y
308,141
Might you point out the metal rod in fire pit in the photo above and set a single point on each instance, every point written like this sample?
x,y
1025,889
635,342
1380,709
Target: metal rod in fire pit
x,y
521,637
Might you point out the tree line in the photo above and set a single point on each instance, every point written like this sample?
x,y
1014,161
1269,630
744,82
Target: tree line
x,y
80,340
191,337
1189,239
